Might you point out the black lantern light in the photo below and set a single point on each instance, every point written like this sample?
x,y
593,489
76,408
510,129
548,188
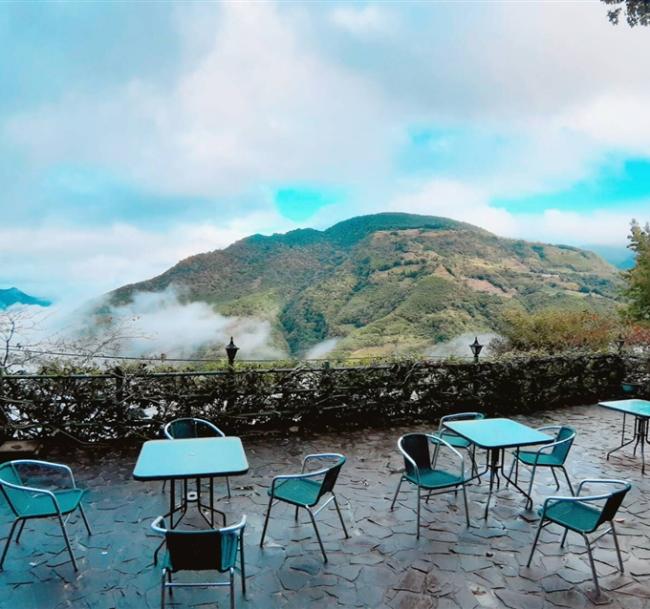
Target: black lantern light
x,y
231,351
476,348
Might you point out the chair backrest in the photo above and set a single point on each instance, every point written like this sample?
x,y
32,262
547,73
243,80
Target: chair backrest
x,y
189,427
416,446
203,550
329,480
612,504
561,451
458,416
17,498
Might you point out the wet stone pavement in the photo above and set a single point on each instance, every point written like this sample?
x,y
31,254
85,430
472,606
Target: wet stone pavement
x,y
381,565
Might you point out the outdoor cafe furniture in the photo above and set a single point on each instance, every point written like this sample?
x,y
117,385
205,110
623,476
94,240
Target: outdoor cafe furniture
x,y
190,427
305,490
584,515
420,471
202,550
640,410
495,436
453,439
192,458
28,502
552,456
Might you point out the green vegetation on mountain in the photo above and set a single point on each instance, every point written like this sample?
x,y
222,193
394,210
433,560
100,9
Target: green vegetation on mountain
x,y
387,282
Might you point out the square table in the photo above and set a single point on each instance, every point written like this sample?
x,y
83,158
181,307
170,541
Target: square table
x,y
495,435
640,410
190,458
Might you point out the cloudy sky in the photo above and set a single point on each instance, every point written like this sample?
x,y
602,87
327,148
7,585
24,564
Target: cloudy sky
x,y
135,134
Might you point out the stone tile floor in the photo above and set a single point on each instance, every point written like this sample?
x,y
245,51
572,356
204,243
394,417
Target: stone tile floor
x,y
381,565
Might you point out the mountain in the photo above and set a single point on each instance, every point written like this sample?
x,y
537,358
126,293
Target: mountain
x,y
385,282
13,296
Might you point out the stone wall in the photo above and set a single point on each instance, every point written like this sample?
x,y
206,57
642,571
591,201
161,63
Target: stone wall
x,y
119,405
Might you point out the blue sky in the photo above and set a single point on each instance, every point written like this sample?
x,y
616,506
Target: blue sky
x,y
135,134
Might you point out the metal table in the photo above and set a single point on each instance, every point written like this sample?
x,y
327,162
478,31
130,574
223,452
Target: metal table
x,y
495,436
640,410
192,458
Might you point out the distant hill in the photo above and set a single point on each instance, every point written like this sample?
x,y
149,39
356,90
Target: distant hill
x,y
13,296
386,282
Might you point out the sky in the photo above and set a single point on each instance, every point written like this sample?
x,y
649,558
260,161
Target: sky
x,y
133,135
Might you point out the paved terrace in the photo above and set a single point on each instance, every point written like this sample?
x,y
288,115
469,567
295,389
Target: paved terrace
x,y
382,565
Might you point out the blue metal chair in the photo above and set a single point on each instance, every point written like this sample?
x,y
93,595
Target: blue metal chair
x,y
551,456
584,515
453,439
190,427
209,550
305,490
420,471
30,502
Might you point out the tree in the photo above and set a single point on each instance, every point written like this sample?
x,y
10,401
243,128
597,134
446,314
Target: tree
x,y
637,12
638,277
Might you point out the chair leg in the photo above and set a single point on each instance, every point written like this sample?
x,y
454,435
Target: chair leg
x,y
266,521
6,548
593,565
466,506
67,542
392,505
512,467
242,564
557,482
566,532
295,515
83,515
618,549
418,514
162,589
320,541
532,478
472,455
338,509
532,550
232,588
568,481
228,487
20,531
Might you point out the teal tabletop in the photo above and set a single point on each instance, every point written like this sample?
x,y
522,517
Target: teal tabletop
x,y
191,458
498,433
638,408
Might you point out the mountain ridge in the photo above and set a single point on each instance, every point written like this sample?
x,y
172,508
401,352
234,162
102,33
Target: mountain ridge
x,y
12,296
385,282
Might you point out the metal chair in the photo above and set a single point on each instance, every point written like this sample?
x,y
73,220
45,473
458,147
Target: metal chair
x,y
30,502
190,427
420,472
552,455
209,550
305,490
453,439
578,514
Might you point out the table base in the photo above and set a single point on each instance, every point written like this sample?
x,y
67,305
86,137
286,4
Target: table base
x,y
639,437
495,468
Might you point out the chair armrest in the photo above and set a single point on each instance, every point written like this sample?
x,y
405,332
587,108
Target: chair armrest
x,y
551,445
158,525
604,481
48,465
34,490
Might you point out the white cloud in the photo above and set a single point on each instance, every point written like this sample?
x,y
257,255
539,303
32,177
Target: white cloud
x,y
81,262
364,20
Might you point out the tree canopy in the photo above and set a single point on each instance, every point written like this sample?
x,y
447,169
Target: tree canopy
x,y
638,277
636,12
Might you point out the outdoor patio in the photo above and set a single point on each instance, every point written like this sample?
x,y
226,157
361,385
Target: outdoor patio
x,y
381,565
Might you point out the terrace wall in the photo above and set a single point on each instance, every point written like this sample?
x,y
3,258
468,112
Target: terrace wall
x,y
119,405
